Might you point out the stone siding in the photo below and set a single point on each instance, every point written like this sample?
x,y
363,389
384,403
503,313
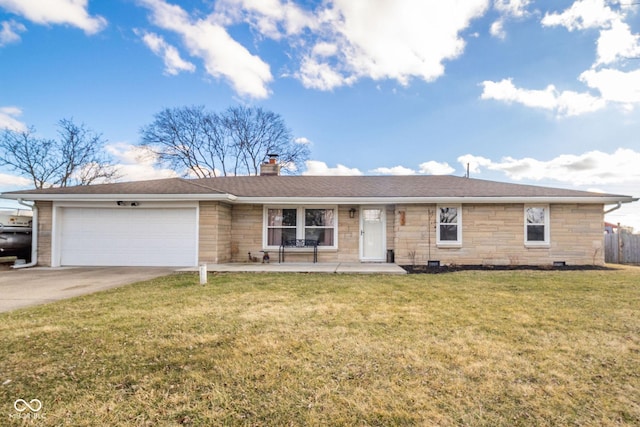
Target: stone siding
x,y
391,233
348,238
45,227
493,234
214,240
246,236
246,232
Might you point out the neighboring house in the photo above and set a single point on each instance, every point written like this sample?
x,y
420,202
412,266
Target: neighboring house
x,y
454,220
610,228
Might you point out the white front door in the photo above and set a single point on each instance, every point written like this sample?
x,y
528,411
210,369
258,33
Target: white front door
x,y
373,234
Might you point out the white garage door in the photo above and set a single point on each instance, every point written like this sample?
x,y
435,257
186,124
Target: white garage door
x,y
128,237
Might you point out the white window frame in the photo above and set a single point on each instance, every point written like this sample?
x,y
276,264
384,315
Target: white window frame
x,y
449,243
300,223
547,231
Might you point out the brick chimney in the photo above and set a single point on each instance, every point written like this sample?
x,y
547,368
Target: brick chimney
x,y
270,167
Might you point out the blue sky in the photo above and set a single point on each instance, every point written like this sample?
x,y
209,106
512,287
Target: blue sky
x,y
534,92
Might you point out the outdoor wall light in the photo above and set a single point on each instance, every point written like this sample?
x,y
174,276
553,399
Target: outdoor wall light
x,y
352,213
123,203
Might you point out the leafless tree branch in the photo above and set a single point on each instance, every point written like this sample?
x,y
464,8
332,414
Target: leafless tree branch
x,y
195,142
75,158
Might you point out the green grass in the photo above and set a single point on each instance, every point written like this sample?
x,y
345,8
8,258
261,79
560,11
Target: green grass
x,y
470,348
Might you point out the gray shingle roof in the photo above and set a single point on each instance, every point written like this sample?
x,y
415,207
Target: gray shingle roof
x,y
158,186
417,186
380,186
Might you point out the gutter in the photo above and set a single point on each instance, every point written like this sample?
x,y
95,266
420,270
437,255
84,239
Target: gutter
x,y
619,204
608,199
124,196
361,200
34,237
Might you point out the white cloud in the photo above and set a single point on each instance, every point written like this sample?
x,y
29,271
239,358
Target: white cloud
x,y
324,49
315,167
136,163
497,29
570,103
566,103
69,12
320,75
9,32
396,170
515,8
396,39
583,14
591,168
271,18
302,140
435,168
10,182
508,9
615,85
173,63
505,90
354,39
474,163
616,43
9,121
428,168
222,55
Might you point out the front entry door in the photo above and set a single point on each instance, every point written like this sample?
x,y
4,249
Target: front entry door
x,y
372,234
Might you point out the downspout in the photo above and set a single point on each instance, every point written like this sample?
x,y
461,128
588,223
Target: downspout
x,y
619,204
34,236
615,208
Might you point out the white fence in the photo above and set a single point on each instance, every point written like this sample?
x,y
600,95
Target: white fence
x,y
622,248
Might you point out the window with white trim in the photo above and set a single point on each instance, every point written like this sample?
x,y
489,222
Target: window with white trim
x,y
319,224
300,222
449,226
281,225
536,225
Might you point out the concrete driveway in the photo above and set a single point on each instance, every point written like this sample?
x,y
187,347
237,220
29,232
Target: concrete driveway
x,y
40,285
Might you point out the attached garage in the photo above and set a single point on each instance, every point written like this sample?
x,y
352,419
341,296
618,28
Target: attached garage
x,y
127,236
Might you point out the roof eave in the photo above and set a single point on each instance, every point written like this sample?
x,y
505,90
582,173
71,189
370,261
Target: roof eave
x,y
112,197
605,199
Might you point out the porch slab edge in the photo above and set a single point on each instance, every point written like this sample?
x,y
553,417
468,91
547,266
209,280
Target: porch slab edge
x,y
340,268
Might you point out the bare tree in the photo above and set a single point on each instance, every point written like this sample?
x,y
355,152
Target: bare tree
x,y
205,144
176,136
255,133
217,141
75,158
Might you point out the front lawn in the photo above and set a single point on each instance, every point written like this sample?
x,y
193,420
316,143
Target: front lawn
x,y
474,348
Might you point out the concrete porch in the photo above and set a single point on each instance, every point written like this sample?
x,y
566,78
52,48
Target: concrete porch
x,y
294,267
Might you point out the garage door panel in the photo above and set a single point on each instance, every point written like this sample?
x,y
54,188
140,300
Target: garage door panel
x,y
129,237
